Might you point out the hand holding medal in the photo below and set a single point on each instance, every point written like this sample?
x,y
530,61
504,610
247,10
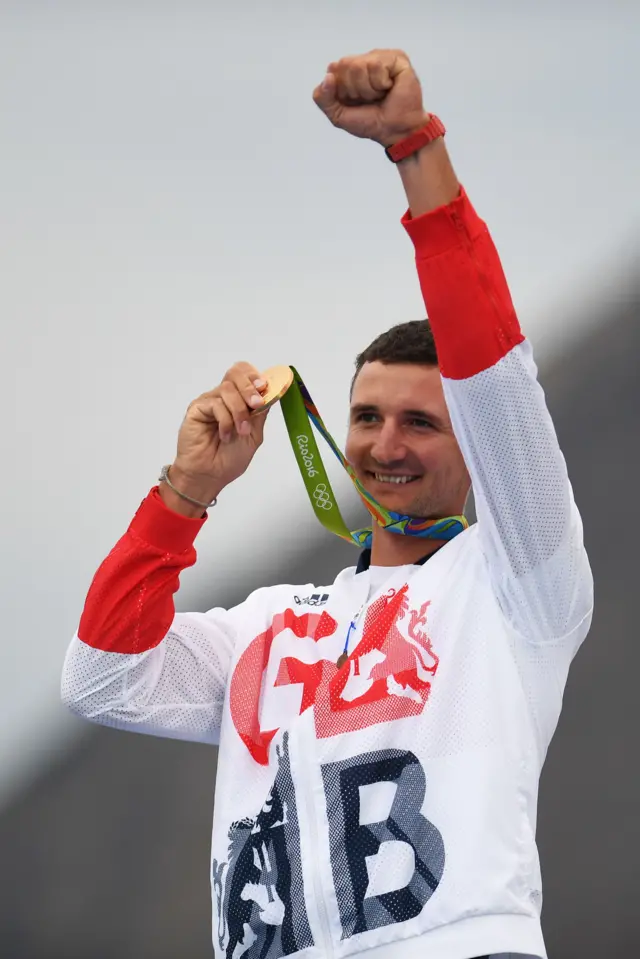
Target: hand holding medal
x,y
218,438
224,428
278,380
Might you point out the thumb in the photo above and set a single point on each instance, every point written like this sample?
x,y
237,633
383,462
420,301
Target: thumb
x,y
324,96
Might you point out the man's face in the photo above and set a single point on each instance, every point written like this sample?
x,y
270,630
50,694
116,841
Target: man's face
x,y
401,442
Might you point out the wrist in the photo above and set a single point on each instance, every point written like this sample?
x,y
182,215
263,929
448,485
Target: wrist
x,y
179,505
181,488
413,126
416,143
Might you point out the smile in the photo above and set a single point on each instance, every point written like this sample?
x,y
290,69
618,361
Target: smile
x,y
388,478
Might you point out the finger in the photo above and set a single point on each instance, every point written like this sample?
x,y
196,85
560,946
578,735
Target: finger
x,y
237,406
352,81
325,97
257,425
249,383
252,374
223,418
358,85
379,76
395,62
347,91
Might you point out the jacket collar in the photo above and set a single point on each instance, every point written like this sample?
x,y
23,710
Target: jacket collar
x,y
364,560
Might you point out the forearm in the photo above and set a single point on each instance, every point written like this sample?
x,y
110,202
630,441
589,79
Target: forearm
x,y
464,288
136,664
528,523
129,606
428,178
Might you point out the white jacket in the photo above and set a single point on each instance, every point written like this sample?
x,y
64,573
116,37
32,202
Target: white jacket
x,y
389,805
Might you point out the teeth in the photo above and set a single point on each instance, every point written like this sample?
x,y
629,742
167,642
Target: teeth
x,y
392,479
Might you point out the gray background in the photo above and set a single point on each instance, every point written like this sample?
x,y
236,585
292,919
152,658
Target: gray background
x,y
172,201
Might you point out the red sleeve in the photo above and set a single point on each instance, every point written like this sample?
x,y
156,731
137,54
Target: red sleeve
x,y
129,607
464,288
528,528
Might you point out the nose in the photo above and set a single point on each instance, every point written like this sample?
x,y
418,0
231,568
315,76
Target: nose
x,y
388,448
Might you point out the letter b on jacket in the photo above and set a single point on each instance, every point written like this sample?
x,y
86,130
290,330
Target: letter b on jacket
x,y
373,892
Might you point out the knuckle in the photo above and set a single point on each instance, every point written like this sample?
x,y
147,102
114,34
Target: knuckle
x,y
222,415
242,366
231,387
242,373
233,400
233,372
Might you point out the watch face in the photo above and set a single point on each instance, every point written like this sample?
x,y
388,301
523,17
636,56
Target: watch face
x,y
279,379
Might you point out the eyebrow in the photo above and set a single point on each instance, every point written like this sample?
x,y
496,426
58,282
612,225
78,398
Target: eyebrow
x,y
372,408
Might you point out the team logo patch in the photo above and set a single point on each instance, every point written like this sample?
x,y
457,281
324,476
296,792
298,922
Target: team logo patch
x,y
316,599
387,677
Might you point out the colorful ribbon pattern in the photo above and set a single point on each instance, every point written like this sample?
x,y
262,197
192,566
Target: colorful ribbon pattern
x,y
299,411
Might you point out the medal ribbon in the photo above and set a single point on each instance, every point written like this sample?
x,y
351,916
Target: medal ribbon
x,y
300,412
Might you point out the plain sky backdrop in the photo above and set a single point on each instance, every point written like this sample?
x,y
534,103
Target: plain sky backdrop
x,y
171,200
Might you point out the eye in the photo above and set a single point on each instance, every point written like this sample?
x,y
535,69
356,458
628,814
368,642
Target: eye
x,y
366,417
419,422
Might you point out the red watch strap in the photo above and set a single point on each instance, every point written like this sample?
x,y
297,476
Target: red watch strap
x,y
411,144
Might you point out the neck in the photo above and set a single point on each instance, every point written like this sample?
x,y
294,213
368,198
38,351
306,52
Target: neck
x,y
392,549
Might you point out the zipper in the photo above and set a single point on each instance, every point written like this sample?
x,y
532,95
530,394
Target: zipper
x,y
326,944
311,772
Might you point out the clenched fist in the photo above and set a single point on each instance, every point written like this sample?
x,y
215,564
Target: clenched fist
x,y
376,95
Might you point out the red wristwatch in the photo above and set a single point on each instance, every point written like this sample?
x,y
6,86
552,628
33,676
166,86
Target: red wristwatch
x,y
411,144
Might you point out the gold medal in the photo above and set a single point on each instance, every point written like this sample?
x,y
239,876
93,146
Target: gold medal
x,y
279,379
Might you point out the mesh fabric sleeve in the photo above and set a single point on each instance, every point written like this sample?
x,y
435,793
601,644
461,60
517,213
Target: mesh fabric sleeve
x,y
529,526
136,664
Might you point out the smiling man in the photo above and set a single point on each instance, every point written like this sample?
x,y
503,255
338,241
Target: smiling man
x,y
401,442
380,738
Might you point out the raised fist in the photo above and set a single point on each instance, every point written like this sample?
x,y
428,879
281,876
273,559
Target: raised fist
x,y
376,95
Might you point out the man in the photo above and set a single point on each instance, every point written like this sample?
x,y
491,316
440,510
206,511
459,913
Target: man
x,y
380,752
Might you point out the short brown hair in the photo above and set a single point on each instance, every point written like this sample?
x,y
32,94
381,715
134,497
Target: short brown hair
x,y
410,342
